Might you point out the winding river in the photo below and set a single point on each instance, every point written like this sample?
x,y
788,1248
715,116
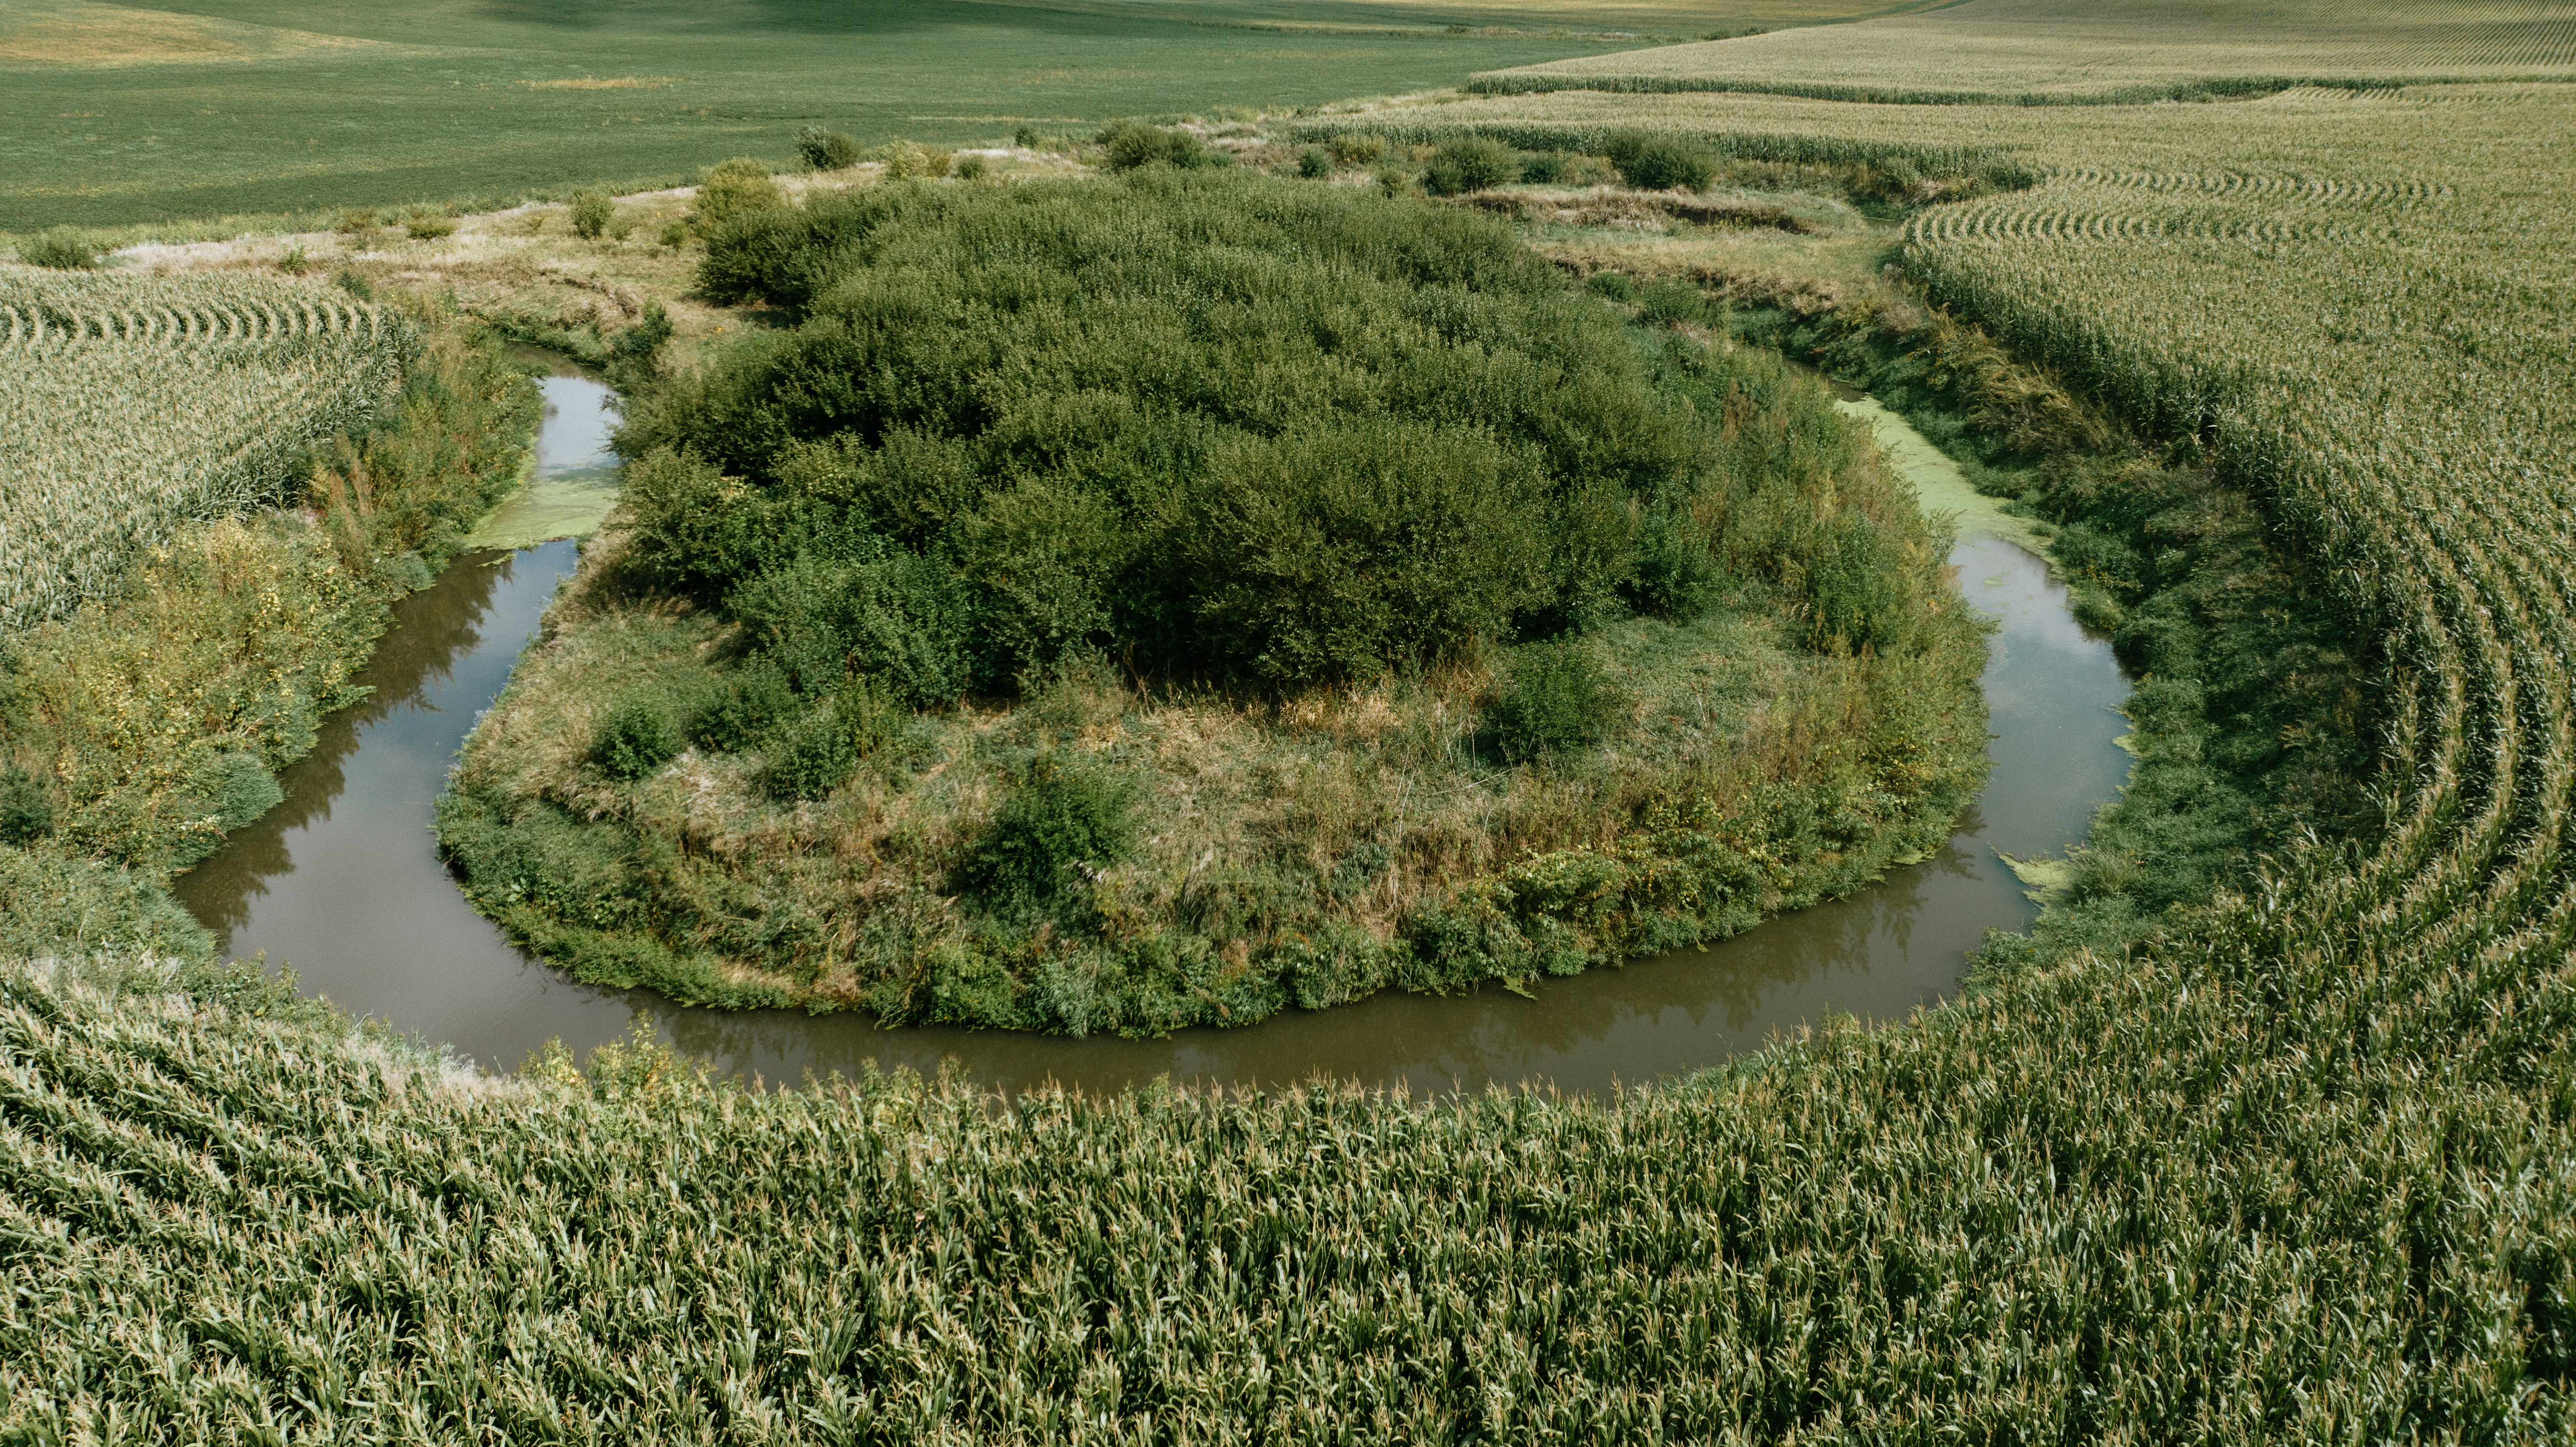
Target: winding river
x,y
341,882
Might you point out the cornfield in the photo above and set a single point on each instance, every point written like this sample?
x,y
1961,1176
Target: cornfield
x,y
2302,1166
135,406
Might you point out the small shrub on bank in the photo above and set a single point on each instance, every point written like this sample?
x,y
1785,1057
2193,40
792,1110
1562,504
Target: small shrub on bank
x,y
1356,148
1062,820
1862,589
1661,163
1472,163
1668,302
734,188
357,222
592,211
908,160
1314,163
1542,168
826,150
638,738
1125,146
973,168
425,225
61,249
1556,699
746,707
26,811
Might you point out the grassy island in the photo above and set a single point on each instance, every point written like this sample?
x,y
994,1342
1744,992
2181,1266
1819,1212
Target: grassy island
x,y
1134,604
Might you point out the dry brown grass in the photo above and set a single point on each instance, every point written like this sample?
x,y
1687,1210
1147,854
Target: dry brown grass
x,y
608,82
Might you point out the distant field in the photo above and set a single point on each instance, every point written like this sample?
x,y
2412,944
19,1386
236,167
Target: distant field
x,y
113,114
2069,49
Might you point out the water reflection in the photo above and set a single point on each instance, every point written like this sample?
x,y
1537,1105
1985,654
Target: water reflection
x,y
341,881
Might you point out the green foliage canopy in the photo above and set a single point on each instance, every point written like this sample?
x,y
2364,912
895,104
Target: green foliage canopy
x,y
1218,424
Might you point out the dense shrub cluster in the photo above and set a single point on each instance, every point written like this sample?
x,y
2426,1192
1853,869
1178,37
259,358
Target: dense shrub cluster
x,y
1218,426
1470,163
1660,163
1125,146
826,150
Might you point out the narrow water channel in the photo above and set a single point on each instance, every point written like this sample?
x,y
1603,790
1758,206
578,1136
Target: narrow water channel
x,y
341,882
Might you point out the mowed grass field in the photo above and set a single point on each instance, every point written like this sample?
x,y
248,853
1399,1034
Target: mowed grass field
x,y
113,114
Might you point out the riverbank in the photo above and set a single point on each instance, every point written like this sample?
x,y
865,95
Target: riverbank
x,y
150,724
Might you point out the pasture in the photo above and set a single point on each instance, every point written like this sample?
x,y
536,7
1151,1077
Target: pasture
x,y
114,114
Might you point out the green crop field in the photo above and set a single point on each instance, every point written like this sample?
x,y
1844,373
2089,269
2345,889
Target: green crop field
x,y
136,406
112,114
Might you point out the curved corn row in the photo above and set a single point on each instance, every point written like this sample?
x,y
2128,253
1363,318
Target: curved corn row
x,y
138,405
2387,360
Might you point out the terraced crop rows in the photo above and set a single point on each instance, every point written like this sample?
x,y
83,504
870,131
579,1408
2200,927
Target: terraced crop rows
x,y
134,406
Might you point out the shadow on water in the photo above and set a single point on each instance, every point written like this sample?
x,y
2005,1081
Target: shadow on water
x,y
342,883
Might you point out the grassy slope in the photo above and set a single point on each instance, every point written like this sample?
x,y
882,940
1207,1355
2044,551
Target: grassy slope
x,y
369,103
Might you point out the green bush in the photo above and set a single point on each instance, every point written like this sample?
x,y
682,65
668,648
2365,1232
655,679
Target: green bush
x,y
826,150
1356,148
1661,163
1612,285
973,168
1062,821
354,283
1556,698
643,341
236,788
898,617
816,756
1667,302
1126,146
1677,573
1333,553
696,531
1314,163
1042,556
910,160
1472,163
1862,589
1396,437
423,224
638,738
1542,168
747,705
26,810
61,249
592,211
735,188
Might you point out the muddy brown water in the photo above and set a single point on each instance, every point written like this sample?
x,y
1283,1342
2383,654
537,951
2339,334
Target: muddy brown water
x,y
342,882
